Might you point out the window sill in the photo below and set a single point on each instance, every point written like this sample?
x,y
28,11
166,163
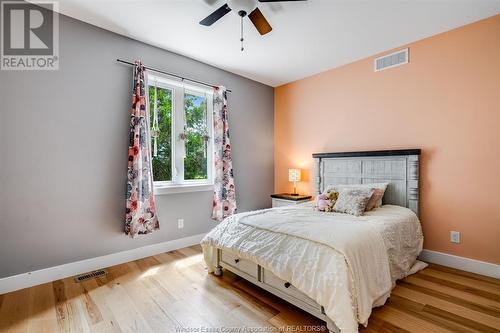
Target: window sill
x,y
184,188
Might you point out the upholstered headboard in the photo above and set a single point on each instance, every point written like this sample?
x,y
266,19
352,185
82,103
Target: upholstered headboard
x,y
399,168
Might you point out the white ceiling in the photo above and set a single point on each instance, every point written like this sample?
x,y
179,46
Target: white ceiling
x,y
308,37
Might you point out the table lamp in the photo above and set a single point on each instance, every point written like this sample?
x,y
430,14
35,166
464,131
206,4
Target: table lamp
x,y
294,176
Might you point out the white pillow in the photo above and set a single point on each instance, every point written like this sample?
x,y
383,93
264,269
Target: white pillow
x,y
339,188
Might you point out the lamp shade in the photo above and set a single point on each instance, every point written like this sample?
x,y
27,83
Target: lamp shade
x,y
294,175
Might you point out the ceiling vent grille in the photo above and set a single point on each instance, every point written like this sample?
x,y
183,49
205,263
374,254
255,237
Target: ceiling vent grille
x,y
91,275
391,60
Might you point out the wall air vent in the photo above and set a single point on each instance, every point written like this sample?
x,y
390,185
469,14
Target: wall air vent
x,y
397,58
91,275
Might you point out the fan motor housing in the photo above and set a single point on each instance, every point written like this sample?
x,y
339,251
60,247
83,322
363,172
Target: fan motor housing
x,y
242,6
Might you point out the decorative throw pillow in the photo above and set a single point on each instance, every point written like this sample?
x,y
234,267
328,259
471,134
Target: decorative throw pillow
x,y
322,202
375,186
353,201
376,197
326,201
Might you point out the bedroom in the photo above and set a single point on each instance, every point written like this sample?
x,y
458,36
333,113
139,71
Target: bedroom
x,y
401,96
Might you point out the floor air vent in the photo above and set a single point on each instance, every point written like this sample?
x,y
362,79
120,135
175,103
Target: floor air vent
x,y
391,60
91,275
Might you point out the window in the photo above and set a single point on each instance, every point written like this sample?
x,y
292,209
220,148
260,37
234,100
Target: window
x,y
181,134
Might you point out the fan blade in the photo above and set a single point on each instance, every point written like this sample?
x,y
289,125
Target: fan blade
x,y
259,21
215,16
279,0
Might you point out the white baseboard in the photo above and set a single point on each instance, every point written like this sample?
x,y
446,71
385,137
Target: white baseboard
x,y
462,263
29,279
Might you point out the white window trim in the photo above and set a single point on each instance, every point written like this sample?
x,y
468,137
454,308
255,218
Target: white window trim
x,y
172,189
178,184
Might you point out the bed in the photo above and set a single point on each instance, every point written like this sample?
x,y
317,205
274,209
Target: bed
x,y
335,266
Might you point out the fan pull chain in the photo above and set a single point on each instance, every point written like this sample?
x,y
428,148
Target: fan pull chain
x,y
242,39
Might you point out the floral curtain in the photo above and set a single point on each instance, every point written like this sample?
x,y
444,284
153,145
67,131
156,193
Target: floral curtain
x,y
141,215
224,200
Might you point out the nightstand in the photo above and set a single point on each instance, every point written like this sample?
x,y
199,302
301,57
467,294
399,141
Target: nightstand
x,y
285,199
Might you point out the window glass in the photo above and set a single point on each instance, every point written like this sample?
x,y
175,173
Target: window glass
x,y
162,155
181,129
196,145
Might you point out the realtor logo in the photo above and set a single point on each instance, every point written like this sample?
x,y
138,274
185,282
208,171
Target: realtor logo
x,y
29,35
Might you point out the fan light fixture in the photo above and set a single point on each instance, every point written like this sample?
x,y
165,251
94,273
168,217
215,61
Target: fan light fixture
x,y
246,6
243,8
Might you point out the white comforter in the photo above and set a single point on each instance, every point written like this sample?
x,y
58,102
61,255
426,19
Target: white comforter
x,y
347,264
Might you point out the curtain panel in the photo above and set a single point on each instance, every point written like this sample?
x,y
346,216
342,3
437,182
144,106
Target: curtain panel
x,y
224,199
141,217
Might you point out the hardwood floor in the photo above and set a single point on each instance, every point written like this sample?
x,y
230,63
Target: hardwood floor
x,y
163,292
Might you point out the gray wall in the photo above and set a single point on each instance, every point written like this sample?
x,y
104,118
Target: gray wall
x,y
63,151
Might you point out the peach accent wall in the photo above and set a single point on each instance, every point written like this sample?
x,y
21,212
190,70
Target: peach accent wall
x,y
446,101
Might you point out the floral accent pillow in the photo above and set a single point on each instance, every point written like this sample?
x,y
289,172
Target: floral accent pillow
x,y
326,201
378,194
353,201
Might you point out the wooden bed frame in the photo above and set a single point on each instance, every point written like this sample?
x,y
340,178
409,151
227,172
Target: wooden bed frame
x,y
399,168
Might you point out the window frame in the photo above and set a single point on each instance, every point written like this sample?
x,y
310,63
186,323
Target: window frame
x,y
179,88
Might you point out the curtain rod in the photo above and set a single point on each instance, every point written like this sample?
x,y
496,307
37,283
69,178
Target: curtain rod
x,y
171,74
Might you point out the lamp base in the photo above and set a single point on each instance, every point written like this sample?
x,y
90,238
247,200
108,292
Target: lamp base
x,y
294,194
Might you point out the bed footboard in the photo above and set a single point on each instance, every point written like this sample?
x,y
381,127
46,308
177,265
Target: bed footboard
x,y
265,279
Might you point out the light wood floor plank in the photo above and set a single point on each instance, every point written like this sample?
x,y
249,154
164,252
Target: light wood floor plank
x,y
446,305
469,289
136,289
458,293
14,312
408,322
464,280
164,292
98,290
42,314
436,316
477,277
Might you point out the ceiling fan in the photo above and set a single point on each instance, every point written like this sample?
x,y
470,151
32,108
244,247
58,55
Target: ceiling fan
x,y
243,8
